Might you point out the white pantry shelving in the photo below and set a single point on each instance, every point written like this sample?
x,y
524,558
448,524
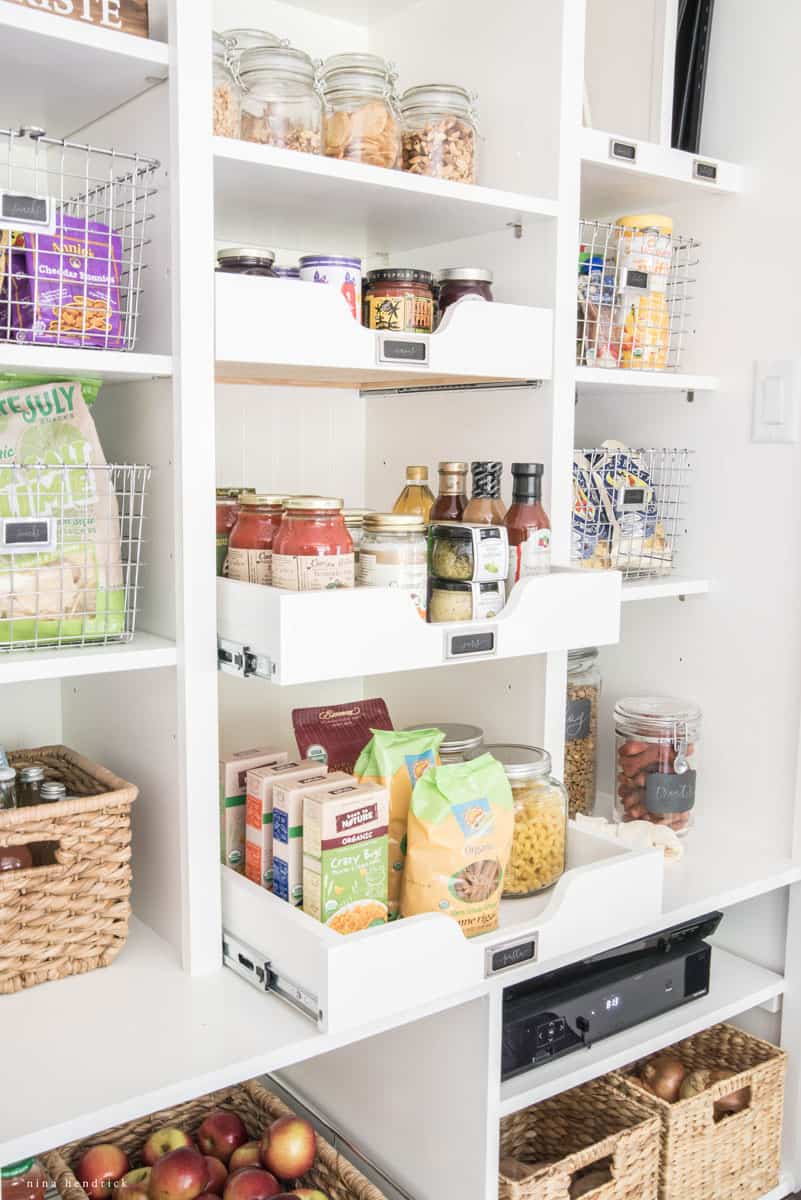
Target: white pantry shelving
x,y
146,652
672,381
476,343
112,366
662,589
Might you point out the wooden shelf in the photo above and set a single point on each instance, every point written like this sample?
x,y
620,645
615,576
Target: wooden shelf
x,y
344,200
736,986
61,362
88,70
666,381
145,653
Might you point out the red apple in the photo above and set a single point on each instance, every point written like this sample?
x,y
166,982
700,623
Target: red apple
x,y
309,1194
288,1196
289,1147
100,1168
221,1133
162,1141
248,1155
251,1183
182,1174
217,1174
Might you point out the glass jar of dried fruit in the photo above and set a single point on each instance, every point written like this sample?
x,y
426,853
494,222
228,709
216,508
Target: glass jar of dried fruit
x,y
362,122
439,132
281,104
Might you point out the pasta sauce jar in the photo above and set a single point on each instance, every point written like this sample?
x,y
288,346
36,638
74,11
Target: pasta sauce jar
x,y
26,1180
399,300
313,551
250,547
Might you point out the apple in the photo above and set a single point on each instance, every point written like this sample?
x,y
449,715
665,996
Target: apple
x,y
309,1194
251,1183
248,1155
288,1196
100,1168
217,1175
137,1177
221,1133
183,1174
289,1147
161,1142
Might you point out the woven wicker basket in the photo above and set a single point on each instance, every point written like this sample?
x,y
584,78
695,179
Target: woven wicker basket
x,y
257,1107
71,916
591,1125
738,1157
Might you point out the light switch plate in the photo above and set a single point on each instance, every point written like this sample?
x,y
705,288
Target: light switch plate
x,y
777,401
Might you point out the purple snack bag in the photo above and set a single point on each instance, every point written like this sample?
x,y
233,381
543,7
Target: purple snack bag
x,y
66,286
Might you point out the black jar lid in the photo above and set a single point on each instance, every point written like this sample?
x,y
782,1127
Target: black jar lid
x,y
400,275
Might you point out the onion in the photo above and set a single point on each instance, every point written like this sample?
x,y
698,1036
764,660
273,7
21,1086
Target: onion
x,y
664,1077
733,1103
695,1083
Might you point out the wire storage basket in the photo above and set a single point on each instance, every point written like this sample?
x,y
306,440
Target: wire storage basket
x,y
635,293
629,508
73,232
70,554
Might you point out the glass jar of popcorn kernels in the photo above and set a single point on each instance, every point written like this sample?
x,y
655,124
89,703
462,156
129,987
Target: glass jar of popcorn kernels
x,y
539,845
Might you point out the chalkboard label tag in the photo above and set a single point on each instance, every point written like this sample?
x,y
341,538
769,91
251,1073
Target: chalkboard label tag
x,y
670,793
707,171
513,954
483,644
27,213
623,151
394,349
579,719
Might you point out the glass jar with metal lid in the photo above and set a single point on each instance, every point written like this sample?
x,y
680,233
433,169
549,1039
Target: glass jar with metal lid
x,y
246,260
226,90
656,760
463,551
281,103
581,729
462,742
250,546
51,791
29,785
399,300
313,551
239,40
354,523
539,846
461,283
393,554
362,122
8,788
439,132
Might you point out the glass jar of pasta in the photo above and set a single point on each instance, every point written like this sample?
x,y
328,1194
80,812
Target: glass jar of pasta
x,y
539,846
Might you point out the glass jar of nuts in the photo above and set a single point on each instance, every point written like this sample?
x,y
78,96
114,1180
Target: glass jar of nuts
x,y
439,132
539,845
362,122
227,96
656,760
281,104
581,729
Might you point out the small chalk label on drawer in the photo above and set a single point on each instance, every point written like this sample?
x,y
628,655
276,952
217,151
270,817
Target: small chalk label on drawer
x,y
394,349
472,645
670,793
514,954
707,171
27,535
623,151
21,211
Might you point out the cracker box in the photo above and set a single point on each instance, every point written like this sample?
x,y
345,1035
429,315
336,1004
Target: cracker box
x,y
288,829
259,813
233,778
345,855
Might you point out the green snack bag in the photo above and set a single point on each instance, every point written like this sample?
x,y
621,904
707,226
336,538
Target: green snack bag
x,y
396,760
461,825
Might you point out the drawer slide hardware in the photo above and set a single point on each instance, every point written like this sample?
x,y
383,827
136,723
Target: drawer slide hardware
x,y
235,659
252,966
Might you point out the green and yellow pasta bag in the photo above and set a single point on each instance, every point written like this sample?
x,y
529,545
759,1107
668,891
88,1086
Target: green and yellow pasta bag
x,y
461,824
397,760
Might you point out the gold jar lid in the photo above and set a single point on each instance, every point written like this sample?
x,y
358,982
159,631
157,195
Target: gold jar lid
x,y
260,498
394,523
330,503
355,516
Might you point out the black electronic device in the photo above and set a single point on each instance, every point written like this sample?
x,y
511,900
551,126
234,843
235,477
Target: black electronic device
x,y
565,1010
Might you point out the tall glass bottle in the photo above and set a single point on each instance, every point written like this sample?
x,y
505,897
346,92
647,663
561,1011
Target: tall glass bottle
x,y
452,499
528,525
486,506
417,497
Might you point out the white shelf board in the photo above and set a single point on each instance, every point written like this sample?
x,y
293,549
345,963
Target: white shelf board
x,y
306,637
40,47
736,986
138,1036
659,176
646,380
146,652
345,201
660,589
476,342
62,362
782,1191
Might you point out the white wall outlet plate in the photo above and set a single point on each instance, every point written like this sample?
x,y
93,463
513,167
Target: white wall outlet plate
x,y
777,399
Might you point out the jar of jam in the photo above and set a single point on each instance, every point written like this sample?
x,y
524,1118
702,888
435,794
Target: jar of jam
x,y
399,300
458,283
313,551
250,548
246,260
26,1180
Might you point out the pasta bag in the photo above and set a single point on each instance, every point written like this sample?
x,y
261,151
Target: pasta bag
x,y
461,824
396,760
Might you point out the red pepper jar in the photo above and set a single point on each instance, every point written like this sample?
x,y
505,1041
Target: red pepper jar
x,y
313,551
250,549
26,1180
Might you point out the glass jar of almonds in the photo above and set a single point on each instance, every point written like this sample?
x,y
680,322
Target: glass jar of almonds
x,y
281,104
581,729
539,845
439,132
362,122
